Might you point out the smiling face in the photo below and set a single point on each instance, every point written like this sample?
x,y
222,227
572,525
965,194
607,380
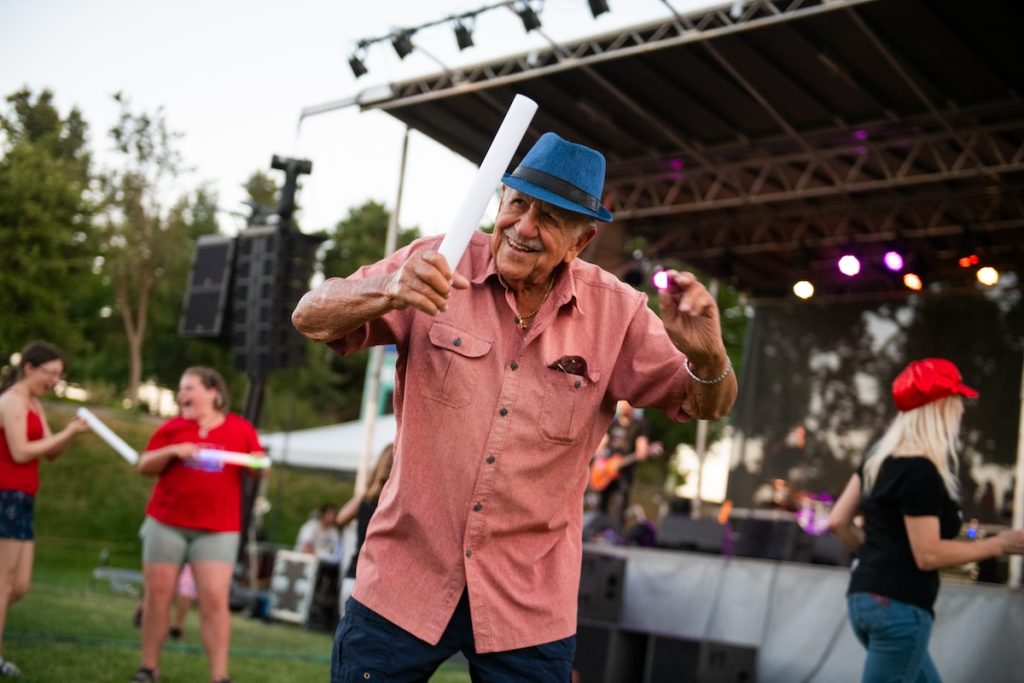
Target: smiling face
x,y
531,238
195,400
44,377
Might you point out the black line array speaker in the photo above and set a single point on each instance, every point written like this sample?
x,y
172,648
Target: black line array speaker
x,y
272,271
602,581
680,532
206,299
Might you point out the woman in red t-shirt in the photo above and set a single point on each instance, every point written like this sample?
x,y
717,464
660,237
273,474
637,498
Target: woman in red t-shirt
x,y
194,516
25,438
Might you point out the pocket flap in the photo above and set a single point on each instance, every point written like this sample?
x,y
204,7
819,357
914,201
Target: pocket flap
x,y
458,341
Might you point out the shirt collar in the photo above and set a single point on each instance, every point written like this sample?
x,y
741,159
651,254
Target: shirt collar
x,y
563,292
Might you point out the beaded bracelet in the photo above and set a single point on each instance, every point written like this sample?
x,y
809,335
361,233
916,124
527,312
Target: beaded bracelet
x,y
717,380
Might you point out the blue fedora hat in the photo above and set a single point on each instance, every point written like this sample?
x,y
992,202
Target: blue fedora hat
x,y
564,174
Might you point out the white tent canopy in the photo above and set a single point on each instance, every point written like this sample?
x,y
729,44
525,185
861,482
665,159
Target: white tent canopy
x,y
334,447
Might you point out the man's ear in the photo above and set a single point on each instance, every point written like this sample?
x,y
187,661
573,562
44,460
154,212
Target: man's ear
x,y
581,243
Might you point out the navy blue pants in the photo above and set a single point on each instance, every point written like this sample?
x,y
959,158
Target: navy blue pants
x,y
368,647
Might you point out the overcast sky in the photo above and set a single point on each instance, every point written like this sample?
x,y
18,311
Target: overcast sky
x,y
233,76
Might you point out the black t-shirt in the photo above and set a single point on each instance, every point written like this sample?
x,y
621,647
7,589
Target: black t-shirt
x,y
363,516
885,563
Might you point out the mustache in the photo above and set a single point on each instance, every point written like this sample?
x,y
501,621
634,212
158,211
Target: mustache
x,y
534,244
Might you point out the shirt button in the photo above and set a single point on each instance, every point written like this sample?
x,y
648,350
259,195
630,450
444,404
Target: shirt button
x,y
366,675
503,412
490,459
514,365
578,384
469,553
458,341
478,507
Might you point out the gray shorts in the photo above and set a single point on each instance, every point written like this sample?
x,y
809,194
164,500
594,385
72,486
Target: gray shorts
x,y
175,545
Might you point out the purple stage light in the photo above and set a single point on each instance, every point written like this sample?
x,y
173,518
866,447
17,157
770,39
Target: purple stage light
x,y
893,261
860,134
849,265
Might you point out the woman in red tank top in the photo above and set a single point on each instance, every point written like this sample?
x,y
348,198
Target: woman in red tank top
x,y
25,439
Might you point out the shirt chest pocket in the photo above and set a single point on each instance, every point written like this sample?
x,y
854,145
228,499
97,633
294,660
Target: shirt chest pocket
x,y
454,365
570,404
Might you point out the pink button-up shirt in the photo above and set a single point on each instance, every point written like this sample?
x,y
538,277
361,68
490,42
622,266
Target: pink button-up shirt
x,y
494,442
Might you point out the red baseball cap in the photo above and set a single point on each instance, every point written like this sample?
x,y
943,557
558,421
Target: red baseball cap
x,y
924,381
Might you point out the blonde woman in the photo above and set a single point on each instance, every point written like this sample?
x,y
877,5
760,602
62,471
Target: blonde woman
x,y
25,439
908,492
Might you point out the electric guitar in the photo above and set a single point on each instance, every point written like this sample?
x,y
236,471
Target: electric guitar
x,y
605,469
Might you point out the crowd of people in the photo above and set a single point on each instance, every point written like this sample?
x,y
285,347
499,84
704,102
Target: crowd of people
x,y
522,370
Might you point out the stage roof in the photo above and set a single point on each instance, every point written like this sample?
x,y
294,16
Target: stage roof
x,y
757,147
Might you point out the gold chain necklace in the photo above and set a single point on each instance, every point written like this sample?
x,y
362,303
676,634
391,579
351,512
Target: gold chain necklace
x,y
524,320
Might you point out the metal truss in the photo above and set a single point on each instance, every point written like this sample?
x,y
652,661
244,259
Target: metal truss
x,y
930,218
846,167
682,29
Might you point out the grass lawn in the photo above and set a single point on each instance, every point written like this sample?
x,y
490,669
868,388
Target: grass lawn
x,y
70,628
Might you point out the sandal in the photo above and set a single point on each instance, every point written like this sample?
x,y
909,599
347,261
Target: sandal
x,y
145,675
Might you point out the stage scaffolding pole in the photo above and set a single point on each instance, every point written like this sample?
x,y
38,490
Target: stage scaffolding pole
x,y
372,396
702,433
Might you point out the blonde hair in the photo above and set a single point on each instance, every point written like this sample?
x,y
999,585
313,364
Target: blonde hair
x,y
932,431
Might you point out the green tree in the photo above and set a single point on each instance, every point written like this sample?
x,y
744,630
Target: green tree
x,y
45,237
141,241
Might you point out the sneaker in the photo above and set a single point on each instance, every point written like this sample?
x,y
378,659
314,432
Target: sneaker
x,y
175,633
8,670
144,675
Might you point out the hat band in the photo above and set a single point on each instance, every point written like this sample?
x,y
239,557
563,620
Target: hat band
x,y
558,186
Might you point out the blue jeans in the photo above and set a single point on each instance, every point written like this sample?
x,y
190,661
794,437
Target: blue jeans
x,y
368,647
896,637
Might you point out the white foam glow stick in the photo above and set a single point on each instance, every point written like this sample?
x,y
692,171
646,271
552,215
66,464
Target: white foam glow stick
x,y
504,145
232,458
105,433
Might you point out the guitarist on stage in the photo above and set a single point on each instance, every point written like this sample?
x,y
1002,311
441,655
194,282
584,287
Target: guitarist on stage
x,y
622,446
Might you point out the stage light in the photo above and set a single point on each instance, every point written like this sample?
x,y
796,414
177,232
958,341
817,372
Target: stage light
x,y
893,260
803,289
358,68
402,42
849,265
530,19
598,7
968,261
988,276
912,281
463,36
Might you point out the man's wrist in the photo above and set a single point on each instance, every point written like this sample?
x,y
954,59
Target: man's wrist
x,y
708,374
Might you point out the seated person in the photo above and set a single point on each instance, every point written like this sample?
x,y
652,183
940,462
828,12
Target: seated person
x,y
319,536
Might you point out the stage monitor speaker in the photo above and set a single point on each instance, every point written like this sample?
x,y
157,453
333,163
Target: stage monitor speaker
x,y
206,299
292,585
674,660
680,532
602,581
772,539
829,550
605,654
